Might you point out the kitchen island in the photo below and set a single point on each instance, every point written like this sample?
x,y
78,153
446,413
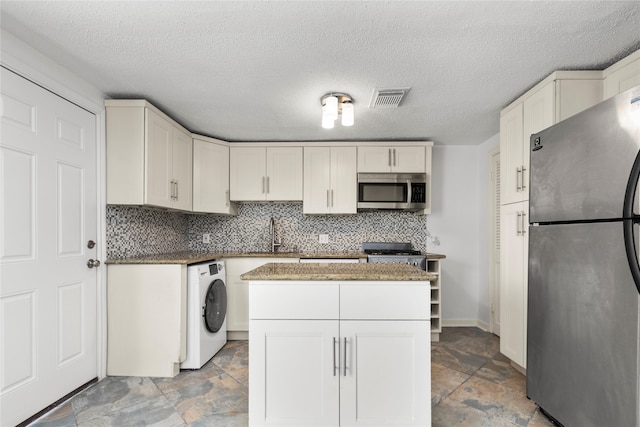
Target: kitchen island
x,y
339,344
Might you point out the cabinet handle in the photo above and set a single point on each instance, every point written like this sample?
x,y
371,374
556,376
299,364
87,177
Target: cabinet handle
x,y
394,157
522,186
518,187
228,198
335,367
173,189
389,157
176,183
268,186
519,223
331,198
524,223
345,357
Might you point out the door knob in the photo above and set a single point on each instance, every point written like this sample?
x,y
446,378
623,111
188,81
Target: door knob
x,y
93,263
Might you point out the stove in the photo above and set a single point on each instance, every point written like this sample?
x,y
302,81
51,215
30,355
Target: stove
x,y
394,252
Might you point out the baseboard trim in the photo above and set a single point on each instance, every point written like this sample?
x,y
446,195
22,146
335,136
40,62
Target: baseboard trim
x,y
237,336
465,323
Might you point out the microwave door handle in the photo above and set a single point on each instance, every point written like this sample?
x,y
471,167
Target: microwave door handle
x,y
409,192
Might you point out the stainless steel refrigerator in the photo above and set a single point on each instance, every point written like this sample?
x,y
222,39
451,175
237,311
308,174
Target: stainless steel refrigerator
x,y
583,315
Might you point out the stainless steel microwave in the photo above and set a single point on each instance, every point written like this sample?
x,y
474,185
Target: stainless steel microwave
x,y
392,191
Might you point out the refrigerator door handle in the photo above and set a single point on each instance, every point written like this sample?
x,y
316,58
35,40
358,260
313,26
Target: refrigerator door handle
x,y
631,219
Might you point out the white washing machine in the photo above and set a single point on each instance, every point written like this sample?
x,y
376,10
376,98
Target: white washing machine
x,y
206,313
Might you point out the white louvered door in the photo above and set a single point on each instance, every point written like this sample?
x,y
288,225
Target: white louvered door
x,y
495,244
48,205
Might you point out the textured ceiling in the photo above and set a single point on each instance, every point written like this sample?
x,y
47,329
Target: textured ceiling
x,y
255,71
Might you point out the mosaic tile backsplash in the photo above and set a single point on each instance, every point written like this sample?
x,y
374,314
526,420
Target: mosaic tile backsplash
x,y
134,231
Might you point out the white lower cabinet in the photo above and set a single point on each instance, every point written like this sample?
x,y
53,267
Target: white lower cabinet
x,y
513,281
238,292
311,363
146,319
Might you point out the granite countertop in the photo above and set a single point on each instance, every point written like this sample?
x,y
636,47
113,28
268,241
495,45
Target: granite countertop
x,y
331,271
196,257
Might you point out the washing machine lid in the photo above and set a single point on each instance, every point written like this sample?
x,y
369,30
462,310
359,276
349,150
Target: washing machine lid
x,y
215,306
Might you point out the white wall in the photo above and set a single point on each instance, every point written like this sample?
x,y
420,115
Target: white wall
x,y
459,222
454,222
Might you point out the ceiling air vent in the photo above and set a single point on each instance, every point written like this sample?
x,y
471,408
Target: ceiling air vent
x,y
388,98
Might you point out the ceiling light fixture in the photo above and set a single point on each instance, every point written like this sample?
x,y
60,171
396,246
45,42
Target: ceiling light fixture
x,y
335,104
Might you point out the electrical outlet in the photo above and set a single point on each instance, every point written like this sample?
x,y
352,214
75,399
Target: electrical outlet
x,y
206,238
323,238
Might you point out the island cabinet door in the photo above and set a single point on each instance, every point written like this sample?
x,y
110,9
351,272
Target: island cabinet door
x,y
293,377
386,379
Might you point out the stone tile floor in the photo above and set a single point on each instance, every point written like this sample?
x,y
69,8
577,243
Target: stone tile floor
x,y
472,385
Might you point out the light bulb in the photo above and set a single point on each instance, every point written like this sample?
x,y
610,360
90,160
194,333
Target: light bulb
x,y
331,106
347,114
327,122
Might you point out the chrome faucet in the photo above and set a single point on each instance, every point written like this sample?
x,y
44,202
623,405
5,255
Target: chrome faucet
x,y
272,232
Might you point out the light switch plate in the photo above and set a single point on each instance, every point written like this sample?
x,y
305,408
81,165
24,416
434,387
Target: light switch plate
x,y
323,238
206,238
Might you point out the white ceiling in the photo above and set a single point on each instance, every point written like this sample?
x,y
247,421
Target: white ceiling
x,y
255,71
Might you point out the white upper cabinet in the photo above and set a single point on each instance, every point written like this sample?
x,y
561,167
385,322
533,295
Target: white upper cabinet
x,y
149,157
391,159
330,180
559,96
622,75
266,173
211,177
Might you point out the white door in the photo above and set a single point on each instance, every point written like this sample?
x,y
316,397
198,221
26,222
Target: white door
x,y
48,345
494,254
385,373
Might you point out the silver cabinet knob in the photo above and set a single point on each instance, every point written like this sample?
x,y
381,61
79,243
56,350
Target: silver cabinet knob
x,y
93,263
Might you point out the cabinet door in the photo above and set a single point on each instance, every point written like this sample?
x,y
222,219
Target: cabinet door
x,y
374,159
388,373
211,178
408,159
294,374
513,281
317,180
622,79
391,159
182,169
538,114
511,144
344,176
248,178
238,289
158,165
284,173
